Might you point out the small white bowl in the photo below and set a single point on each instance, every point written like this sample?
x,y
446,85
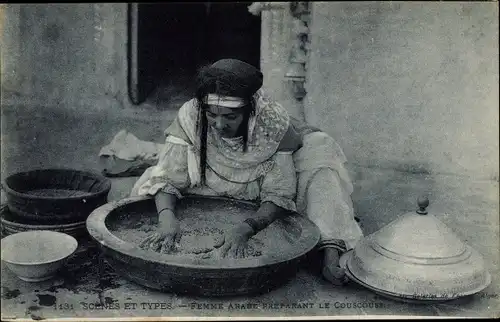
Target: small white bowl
x,y
36,256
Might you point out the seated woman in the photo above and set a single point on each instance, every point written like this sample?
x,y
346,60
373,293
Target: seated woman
x,y
231,140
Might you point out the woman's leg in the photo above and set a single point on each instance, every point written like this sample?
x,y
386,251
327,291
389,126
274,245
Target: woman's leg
x,y
330,207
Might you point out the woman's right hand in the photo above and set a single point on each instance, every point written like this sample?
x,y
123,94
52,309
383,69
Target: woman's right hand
x,y
169,228
167,235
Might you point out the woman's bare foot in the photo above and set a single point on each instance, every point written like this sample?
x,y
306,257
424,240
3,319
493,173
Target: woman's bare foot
x,y
331,270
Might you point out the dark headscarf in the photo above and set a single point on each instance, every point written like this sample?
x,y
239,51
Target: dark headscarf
x,y
229,77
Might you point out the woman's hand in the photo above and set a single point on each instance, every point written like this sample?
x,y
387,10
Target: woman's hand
x,y
331,269
167,236
234,242
169,228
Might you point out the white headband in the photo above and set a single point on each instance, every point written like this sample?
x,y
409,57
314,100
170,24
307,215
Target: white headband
x,y
225,101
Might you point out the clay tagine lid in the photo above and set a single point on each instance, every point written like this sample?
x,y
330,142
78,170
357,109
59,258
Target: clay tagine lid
x,y
417,257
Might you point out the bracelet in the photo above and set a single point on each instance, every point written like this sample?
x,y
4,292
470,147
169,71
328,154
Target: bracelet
x,y
159,212
253,224
339,250
334,243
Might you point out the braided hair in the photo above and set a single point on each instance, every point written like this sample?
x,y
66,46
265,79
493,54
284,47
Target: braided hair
x,y
212,80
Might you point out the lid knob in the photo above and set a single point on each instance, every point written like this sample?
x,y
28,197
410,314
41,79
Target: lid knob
x,y
423,203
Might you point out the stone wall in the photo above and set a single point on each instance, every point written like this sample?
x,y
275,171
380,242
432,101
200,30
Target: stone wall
x,y
410,86
68,54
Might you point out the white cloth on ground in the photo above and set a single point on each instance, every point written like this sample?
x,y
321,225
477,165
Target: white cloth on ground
x,y
127,146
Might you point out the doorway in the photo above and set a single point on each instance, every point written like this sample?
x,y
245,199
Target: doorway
x,y
168,42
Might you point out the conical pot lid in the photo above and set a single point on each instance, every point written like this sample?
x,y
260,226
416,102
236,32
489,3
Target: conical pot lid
x,y
417,257
419,236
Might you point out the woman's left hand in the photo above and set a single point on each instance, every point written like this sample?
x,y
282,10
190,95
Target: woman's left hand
x,y
234,242
331,269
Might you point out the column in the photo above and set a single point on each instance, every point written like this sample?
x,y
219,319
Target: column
x,y
276,36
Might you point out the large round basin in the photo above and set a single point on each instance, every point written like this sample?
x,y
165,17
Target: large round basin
x,y
282,245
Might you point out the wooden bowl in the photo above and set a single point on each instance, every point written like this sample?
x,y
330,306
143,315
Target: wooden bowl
x,y
36,256
56,195
206,277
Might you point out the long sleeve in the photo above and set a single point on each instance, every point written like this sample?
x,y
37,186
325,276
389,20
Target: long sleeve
x,y
279,185
170,174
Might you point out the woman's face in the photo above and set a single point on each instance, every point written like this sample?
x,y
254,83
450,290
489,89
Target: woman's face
x,y
225,120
